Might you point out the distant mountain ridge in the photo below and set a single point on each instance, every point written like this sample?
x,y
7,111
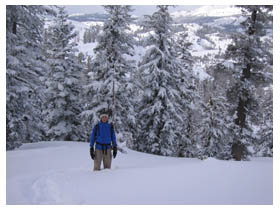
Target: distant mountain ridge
x,y
210,11
223,16
100,17
226,17
204,11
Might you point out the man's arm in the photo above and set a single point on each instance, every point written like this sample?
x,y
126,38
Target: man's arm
x,y
92,139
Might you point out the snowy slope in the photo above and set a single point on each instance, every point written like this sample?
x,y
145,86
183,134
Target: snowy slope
x,y
61,173
209,10
216,11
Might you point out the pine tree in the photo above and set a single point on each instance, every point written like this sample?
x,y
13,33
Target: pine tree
x,y
264,144
188,147
165,90
62,105
214,135
87,95
25,66
110,84
247,55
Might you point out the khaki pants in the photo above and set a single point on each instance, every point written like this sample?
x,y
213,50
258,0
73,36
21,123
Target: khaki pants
x,y
99,157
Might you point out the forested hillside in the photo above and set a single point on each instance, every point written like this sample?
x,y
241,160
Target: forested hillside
x,y
183,84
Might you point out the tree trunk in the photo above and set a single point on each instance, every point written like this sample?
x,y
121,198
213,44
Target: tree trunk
x,y
241,114
238,151
14,27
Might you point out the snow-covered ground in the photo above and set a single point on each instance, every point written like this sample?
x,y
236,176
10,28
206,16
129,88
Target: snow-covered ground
x,y
215,11
61,173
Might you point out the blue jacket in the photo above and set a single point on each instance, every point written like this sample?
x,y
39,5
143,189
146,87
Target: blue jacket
x,y
103,136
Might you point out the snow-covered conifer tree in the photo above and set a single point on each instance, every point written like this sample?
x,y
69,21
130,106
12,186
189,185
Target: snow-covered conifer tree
x,y
109,85
189,146
25,66
62,106
165,90
214,135
264,145
247,54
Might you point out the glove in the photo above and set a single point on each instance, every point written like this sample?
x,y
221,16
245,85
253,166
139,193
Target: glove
x,y
92,153
115,150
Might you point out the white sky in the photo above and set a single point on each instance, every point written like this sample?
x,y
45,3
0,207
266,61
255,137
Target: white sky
x,y
138,9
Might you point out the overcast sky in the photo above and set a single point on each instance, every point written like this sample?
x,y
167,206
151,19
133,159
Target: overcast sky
x,y
138,9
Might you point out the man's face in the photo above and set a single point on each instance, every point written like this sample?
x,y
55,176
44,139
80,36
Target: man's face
x,y
104,119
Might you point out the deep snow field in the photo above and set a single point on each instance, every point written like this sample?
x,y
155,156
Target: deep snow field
x,y
61,173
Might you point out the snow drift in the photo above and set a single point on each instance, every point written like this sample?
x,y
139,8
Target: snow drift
x,y
61,173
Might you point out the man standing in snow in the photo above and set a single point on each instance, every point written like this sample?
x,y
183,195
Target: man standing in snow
x,y
102,136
